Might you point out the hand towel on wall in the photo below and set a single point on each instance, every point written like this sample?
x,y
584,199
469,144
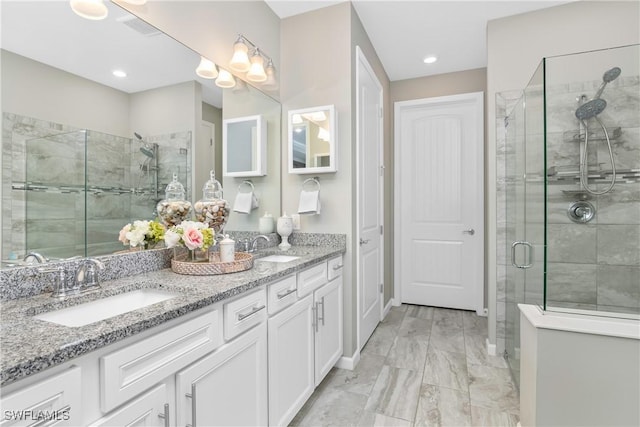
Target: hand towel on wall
x,y
245,202
309,202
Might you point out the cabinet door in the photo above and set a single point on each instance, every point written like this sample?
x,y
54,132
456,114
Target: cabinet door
x,y
56,400
328,342
291,368
229,386
150,409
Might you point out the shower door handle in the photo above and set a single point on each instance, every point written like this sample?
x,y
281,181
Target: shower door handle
x,y
528,250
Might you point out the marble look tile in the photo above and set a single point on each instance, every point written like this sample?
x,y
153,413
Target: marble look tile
x,y
447,339
571,282
486,417
447,318
369,419
474,324
402,308
338,408
446,369
618,309
361,379
393,318
395,393
571,243
559,305
476,347
420,311
439,406
621,206
618,286
407,353
492,388
380,341
619,244
415,328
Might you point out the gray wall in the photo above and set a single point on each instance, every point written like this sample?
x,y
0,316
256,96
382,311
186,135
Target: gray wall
x,y
213,115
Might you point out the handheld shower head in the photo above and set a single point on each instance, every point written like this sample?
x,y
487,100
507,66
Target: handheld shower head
x,y
607,77
148,151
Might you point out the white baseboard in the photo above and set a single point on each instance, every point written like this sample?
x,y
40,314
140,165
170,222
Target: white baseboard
x,y
349,363
491,349
387,308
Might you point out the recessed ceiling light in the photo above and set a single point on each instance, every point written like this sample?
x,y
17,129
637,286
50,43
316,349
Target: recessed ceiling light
x,y
430,59
119,73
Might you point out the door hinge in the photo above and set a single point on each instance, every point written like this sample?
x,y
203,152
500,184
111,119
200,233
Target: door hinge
x,y
382,229
381,170
381,288
211,142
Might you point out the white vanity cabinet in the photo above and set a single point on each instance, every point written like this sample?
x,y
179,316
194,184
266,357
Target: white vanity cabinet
x,y
57,399
305,338
149,410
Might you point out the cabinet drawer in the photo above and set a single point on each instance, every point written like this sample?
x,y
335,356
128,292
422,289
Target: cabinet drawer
x,y
135,368
244,313
334,267
281,294
311,279
58,397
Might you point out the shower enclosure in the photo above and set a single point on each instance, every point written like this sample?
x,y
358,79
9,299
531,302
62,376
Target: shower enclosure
x,y
81,187
570,191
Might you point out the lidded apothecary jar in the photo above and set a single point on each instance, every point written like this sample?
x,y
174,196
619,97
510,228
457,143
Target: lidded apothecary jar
x,y
212,209
174,208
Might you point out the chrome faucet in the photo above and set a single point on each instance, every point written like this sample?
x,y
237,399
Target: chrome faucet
x,y
253,244
40,259
86,278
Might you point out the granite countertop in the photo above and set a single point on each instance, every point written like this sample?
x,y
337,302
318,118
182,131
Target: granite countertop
x,y
30,345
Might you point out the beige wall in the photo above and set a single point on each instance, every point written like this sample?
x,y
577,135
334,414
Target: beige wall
x,y
443,85
517,44
213,115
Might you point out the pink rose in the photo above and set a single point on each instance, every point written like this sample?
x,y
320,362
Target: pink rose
x,y
123,234
192,238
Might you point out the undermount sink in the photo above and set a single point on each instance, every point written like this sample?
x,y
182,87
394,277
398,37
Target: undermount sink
x,y
94,311
278,258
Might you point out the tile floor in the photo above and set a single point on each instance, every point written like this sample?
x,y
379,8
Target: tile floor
x,y
423,366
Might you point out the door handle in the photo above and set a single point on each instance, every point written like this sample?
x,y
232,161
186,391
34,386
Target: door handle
x,y
470,232
529,254
363,242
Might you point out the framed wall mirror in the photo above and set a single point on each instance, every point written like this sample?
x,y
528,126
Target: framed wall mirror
x,y
312,140
244,149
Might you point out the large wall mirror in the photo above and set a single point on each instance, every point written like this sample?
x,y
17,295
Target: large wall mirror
x,y
312,140
86,151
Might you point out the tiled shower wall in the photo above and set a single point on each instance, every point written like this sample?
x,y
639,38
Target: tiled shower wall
x,y
593,266
53,220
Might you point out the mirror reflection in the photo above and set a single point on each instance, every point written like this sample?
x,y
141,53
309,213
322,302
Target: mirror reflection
x,y
86,151
312,140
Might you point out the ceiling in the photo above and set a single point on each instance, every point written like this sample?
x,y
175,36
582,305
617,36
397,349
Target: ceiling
x,y
403,33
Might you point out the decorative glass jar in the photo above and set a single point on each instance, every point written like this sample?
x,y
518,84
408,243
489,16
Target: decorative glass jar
x,y
212,209
174,208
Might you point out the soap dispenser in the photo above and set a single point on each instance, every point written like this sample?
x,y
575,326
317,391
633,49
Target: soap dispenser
x,y
212,209
174,208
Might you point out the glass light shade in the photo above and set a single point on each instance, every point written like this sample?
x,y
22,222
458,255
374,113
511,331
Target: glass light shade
x,y
89,9
271,82
240,60
256,72
206,69
225,80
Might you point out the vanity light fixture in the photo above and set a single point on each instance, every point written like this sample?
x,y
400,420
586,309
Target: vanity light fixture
x,y
256,72
225,80
206,69
89,9
430,59
254,66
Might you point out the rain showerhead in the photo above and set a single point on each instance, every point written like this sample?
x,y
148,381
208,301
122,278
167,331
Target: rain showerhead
x,y
607,77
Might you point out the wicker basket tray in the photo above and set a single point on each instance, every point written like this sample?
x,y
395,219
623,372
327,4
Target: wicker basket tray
x,y
243,261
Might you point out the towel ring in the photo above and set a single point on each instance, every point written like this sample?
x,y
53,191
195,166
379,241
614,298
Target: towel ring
x,y
314,179
246,182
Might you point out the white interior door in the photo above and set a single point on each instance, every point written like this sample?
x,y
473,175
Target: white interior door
x,y
439,199
370,197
